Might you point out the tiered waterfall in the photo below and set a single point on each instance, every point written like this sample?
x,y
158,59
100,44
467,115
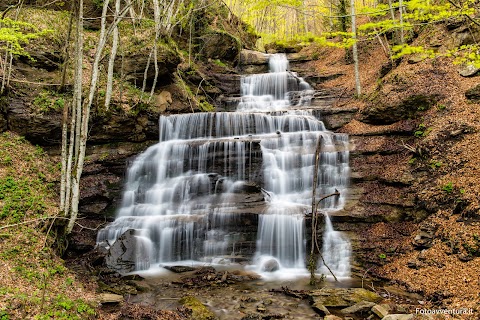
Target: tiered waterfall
x,y
182,195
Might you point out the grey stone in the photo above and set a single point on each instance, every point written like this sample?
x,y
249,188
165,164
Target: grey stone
x,y
473,93
125,252
468,70
381,310
180,269
416,59
360,307
320,309
104,298
342,297
253,57
270,266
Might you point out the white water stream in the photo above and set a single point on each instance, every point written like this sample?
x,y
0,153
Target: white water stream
x,y
180,194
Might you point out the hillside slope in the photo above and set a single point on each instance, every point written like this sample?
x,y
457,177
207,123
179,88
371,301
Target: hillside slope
x,y
436,251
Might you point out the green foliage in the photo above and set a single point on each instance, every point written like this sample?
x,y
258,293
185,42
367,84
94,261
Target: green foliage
x,y
14,35
435,164
219,63
441,107
47,101
382,256
448,188
422,131
19,196
4,315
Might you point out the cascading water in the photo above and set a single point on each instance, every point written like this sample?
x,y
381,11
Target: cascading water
x,y
180,195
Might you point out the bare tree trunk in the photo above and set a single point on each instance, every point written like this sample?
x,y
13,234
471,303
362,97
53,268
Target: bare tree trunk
x,y
355,51
312,263
63,175
85,114
68,177
4,72
156,12
66,55
72,209
113,55
402,37
392,15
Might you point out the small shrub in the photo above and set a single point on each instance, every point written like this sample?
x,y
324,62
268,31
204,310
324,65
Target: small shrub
x,y
448,188
47,101
435,164
422,131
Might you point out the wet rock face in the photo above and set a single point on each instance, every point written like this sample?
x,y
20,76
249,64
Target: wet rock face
x,y
124,252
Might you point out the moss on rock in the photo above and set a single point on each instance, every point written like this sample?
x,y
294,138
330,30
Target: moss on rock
x,y
199,311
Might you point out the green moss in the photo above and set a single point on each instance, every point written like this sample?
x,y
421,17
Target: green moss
x,y
48,101
199,311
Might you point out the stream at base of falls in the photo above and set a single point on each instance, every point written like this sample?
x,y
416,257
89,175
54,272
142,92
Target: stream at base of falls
x,y
234,188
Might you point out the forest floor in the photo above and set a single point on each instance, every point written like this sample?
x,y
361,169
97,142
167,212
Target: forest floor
x,y
447,273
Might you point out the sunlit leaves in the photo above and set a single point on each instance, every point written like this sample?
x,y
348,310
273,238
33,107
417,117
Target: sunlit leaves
x,y
14,35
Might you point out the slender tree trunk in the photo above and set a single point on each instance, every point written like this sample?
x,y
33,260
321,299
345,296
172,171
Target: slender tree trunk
x,y
66,55
156,13
113,55
63,175
78,90
312,264
402,37
392,16
358,88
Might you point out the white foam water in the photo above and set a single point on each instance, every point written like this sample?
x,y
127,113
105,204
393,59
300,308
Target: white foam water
x,y
179,193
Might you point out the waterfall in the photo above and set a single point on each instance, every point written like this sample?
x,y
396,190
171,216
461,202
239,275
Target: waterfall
x,y
336,251
181,195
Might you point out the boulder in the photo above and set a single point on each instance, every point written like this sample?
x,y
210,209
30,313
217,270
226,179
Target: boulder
x,y
163,100
468,70
416,59
270,265
381,310
342,297
361,307
473,93
180,269
253,57
199,311
126,252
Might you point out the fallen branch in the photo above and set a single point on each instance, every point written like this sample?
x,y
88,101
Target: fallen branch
x,y
299,294
312,264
